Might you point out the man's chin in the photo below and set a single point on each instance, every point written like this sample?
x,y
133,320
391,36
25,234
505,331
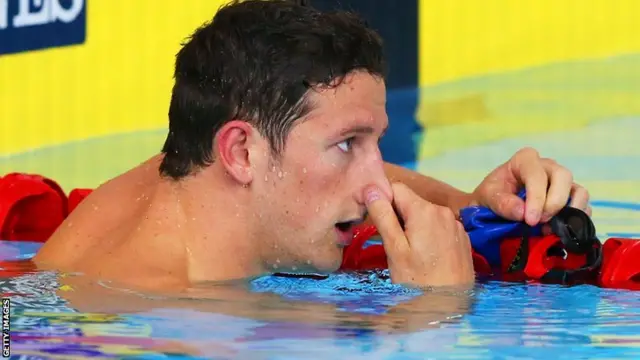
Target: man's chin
x,y
322,263
326,266
317,260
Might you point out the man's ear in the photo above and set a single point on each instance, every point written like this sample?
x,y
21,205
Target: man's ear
x,y
232,142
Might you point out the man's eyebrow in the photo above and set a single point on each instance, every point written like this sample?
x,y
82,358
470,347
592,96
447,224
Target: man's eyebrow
x,y
361,129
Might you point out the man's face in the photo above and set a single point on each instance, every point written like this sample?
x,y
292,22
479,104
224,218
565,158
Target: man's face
x,y
308,200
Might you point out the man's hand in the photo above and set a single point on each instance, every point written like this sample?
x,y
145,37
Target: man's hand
x,y
432,250
548,186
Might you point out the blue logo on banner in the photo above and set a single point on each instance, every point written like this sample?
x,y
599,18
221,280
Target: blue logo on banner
x,y
27,25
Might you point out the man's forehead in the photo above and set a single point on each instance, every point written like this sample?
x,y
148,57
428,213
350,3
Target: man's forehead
x,y
364,108
354,88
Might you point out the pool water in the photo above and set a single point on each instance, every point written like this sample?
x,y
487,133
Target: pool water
x,y
347,316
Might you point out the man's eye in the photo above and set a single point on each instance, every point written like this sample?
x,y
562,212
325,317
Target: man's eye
x,y
345,146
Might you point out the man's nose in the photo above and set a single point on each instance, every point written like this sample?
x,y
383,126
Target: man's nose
x,y
375,174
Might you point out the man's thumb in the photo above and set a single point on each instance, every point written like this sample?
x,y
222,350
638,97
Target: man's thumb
x,y
508,206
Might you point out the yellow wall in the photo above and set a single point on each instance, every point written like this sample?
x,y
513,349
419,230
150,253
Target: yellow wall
x,y
119,80
466,38
496,69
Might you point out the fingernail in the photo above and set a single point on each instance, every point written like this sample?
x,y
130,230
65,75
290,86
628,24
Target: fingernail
x,y
534,214
372,194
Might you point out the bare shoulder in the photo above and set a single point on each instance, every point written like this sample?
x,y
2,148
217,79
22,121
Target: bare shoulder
x,y
101,220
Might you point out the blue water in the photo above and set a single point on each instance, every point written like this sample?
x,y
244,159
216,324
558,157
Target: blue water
x,y
346,316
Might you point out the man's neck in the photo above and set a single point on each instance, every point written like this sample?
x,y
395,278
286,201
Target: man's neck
x,y
217,230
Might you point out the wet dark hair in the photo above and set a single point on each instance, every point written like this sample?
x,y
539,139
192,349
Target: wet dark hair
x,y
255,61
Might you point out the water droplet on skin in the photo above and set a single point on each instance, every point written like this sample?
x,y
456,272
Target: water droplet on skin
x,y
193,219
294,268
266,178
278,261
70,224
273,168
280,174
275,266
304,170
95,207
318,208
308,262
297,199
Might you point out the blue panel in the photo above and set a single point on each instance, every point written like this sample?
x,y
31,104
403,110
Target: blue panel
x,y
28,25
397,24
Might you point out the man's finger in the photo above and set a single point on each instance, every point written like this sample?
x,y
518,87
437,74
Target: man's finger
x,y
383,216
561,181
528,169
579,198
508,206
405,200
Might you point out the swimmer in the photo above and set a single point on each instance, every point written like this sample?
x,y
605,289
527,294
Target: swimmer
x,y
272,157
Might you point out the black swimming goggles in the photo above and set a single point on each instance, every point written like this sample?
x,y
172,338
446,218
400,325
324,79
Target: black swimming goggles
x,y
577,235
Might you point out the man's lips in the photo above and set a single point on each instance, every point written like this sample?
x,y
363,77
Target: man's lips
x,y
345,231
344,236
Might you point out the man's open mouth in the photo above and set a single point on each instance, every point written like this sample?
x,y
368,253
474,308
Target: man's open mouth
x,y
345,226
345,230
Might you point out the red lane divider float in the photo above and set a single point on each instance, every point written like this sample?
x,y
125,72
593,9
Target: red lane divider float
x,y
33,206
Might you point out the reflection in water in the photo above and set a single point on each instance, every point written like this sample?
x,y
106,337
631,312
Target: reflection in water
x,y
70,314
